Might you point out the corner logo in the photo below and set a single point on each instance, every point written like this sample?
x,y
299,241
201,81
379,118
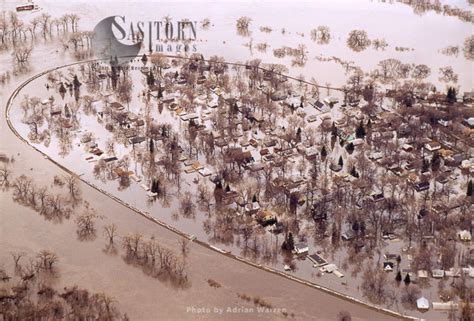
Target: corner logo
x,y
166,36
107,46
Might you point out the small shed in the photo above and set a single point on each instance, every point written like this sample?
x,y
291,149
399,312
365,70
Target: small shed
x,y
423,303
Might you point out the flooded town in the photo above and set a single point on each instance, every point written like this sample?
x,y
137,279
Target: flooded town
x,y
241,160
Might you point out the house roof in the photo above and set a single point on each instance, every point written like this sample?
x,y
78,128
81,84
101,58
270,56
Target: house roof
x,y
116,105
423,303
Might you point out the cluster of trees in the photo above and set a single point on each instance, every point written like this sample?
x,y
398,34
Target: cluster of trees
x,y
358,40
469,48
155,259
392,70
422,7
30,294
299,54
51,205
19,35
322,35
86,224
374,286
243,25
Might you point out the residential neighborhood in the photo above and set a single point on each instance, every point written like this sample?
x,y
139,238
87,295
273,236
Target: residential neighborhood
x,y
360,190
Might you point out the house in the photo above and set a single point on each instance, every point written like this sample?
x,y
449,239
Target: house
x,y
330,101
136,140
444,123
445,306
311,152
340,122
205,172
465,164
338,273
409,166
442,179
433,146
317,260
464,235
377,197
437,273
316,103
278,228
255,117
388,266
278,95
55,112
347,236
390,256
301,248
454,160
453,272
407,148
421,186
252,208
469,123
266,217
116,105
110,159
422,274
312,118
376,156
423,303
468,97
388,235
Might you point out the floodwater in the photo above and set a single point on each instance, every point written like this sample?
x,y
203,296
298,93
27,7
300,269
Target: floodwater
x,y
394,22
142,298
427,34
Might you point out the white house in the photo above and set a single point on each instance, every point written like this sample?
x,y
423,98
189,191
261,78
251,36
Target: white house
x,y
432,146
301,249
423,303
464,235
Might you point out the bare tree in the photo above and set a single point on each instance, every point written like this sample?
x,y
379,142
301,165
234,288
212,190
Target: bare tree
x,y
184,246
74,190
410,294
86,224
447,74
5,176
469,48
344,316
21,54
17,257
46,259
110,231
243,24
420,72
